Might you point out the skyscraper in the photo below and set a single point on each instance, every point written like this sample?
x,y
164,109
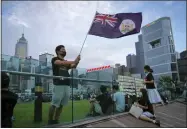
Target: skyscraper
x,y
131,61
177,55
140,60
159,48
182,66
123,70
116,69
45,59
117,65
46,68
21,49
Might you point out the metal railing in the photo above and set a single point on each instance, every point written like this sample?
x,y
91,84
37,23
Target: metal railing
x,y
136,84
49,76
38,94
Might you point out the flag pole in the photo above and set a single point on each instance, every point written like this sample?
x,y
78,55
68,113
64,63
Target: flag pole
x,y
89,29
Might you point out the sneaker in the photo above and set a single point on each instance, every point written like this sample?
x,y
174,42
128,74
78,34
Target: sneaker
x,y
157,123
52,122
89,115
96,114
154,118
55,121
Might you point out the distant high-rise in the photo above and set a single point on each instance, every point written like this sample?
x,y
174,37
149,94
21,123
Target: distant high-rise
x,y
182,66
105,74
116,69
131,61
117,65
183,54
122,70
140,60
177,55
159,48
45,59
21,49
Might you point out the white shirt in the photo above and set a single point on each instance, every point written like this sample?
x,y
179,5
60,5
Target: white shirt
x,y
119,99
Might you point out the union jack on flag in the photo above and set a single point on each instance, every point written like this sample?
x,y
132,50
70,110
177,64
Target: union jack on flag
x,y
110,26
106,19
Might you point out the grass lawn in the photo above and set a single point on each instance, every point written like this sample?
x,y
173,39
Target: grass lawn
x,y
24,113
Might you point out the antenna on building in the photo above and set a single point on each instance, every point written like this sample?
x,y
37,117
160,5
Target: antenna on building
x,y
23,29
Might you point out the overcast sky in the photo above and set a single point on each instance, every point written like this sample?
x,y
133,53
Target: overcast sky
x,y
50,23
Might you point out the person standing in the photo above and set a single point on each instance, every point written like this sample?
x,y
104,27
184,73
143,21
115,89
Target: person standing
x,y
8,101
154,96
61,91
164,100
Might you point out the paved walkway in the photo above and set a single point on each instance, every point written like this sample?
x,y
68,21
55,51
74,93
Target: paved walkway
x,y
171,115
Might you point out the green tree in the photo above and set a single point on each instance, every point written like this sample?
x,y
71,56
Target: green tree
x,y
165,82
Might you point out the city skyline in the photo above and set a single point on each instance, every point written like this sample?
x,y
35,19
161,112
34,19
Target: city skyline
x,y
67,22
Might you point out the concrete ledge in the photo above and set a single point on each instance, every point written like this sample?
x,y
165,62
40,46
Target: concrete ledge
x,y
94,120
87,121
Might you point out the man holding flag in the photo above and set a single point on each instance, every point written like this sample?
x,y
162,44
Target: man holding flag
x,y
61,91
103,25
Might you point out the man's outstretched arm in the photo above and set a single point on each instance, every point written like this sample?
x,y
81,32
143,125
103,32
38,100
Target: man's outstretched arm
x,y
68,63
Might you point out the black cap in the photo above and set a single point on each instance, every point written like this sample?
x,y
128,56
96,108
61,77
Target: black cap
x,y
4,80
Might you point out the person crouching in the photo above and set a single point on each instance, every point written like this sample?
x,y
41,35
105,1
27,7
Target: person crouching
x,y
100,105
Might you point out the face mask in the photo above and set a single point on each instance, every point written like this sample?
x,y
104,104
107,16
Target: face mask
x,y
63,54
140,93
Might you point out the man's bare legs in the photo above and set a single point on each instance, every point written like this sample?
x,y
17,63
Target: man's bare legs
x,y
51,113
54,114
58,112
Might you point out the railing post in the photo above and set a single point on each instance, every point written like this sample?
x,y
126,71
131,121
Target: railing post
x,y
38,100
135,87
72,83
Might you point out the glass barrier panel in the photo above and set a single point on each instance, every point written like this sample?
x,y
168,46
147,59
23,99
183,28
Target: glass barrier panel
x,y
34,100
86,98
23,115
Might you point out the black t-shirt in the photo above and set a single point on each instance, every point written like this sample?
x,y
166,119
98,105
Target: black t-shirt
x,y
146,103
105,101
150,77
60,71
8,102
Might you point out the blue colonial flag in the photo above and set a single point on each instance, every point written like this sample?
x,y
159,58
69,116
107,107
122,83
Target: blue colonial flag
x,y
116,26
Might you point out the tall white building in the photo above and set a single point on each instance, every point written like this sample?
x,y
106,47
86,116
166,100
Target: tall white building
x,y
21,49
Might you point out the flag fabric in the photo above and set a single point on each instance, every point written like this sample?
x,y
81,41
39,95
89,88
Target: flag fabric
x,y
116,26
